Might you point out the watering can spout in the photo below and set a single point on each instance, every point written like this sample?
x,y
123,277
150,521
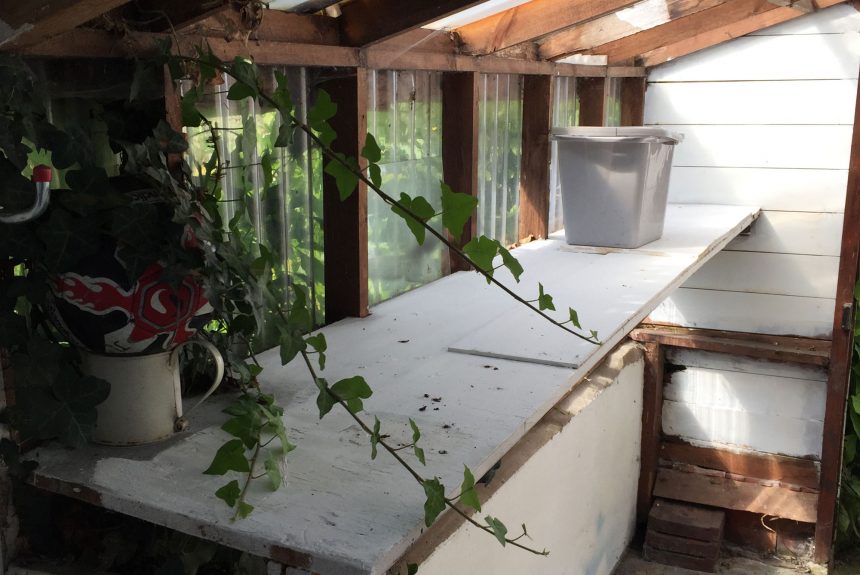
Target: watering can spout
x,y
42,178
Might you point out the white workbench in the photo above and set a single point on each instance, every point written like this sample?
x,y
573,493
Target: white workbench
x,y
494,367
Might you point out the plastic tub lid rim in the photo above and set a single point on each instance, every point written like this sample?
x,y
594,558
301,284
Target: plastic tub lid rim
x,y
588,132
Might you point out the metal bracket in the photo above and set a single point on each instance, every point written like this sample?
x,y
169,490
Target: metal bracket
x,y
847,316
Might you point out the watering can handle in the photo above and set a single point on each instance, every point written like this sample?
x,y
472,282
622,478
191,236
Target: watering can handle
x,y
181,421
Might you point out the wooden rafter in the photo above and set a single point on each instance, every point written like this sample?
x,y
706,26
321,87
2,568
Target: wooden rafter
x,y
628,48
33,21
721,34
166,15
641,16
530,21
365,22
275,25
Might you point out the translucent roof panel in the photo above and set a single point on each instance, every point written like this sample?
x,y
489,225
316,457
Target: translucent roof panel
x,y
473,14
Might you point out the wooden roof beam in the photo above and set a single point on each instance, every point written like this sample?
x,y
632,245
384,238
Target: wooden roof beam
x,y
641,16
33,21
627,49
365,22
725,33
530,21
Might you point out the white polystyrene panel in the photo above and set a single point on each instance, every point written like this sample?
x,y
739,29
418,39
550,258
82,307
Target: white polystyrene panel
x,y
764,146
725,363
839,18
772,189
793,233
750,312
819,56
781,274
751,102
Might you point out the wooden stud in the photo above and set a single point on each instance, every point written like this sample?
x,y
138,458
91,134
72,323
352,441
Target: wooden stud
x,y
633,101
592,100
652,411
611,27
534,171
364,22
841,356
460,145
44,19
345,222
529,21
801,350
788,470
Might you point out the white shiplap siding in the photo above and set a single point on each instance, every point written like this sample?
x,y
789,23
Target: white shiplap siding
x,y
768,120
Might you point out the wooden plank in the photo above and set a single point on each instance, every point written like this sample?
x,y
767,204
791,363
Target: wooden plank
x,y
627,48
806,233
535,162
652,409
682,544
633,101
788,470
592,100
529,21
345,222
778,348
641,16
699,564
730,494
800,146
671,517
769,273
751,102
276,25
169,15
784,189
364,22
841,356
716,36
741,430
460,131
805,57
41,20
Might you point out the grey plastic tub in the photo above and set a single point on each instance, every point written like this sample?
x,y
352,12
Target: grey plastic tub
x,y
614,184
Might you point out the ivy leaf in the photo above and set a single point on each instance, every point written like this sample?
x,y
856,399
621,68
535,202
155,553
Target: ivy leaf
x,y
229,457
498,528
285,135
850,448
511,263
191,116
344,176
325,400
419,454
281,97
352,390
319,344
374,437
435,503
574,317
418,206
371,151
68,239
468,495
482,251
544,299
594,334
273,470
411,568
169,140
416,433
457,208
244,510
319,115
375,173
291,345
244,427
229,493
245,85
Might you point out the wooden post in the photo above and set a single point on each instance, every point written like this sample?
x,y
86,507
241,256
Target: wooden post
x,y
633,101
345,222
460,145
652,411
840,358
534,173
592,100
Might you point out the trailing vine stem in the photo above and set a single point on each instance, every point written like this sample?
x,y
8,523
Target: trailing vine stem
x,y
250,477
393,451
329,153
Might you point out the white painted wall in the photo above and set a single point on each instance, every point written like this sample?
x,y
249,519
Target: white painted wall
x,y
577,494
768,121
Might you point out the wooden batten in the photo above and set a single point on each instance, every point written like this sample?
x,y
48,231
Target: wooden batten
x,y
345,222
652,410
633,101
841,356
800,350
365,22
529,21
276,25
535,163
592,100
40,20
460,145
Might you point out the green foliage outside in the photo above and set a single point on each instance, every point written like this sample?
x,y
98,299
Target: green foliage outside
x,y
848,512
